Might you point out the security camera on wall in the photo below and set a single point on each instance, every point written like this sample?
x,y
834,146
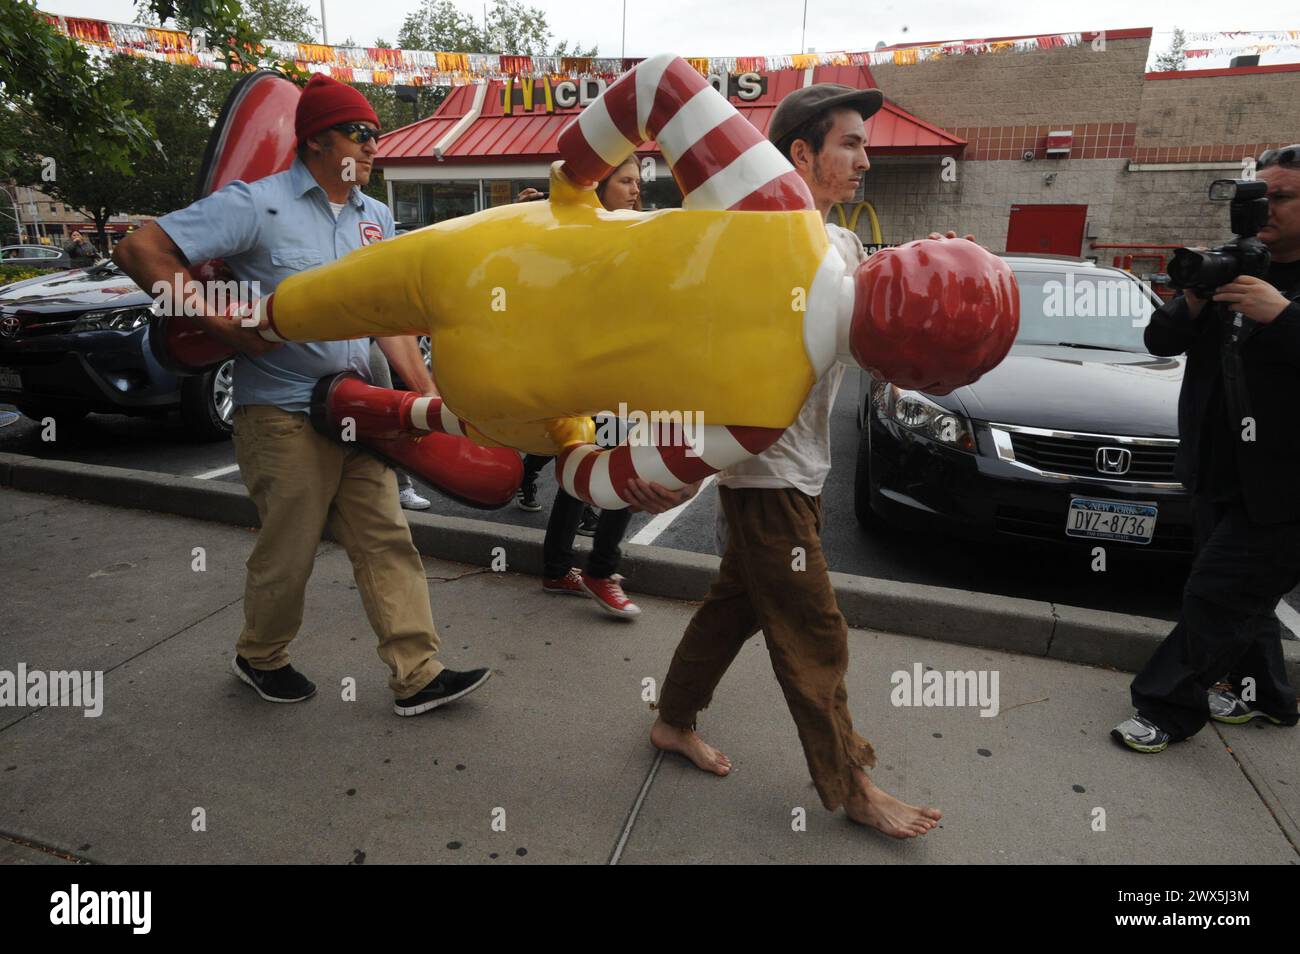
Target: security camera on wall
x,y
1027,155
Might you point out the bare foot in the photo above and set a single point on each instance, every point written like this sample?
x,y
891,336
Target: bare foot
x,y
876,808
688,743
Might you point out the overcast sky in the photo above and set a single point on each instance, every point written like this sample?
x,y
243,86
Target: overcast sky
x,y
763,27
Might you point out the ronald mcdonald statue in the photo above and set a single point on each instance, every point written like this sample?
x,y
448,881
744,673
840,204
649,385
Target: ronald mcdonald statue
x,y
726,311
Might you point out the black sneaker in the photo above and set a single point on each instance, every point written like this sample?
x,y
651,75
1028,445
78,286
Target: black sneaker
x,y
526,497
1141,735
285,684
1228,707
447,687
589,520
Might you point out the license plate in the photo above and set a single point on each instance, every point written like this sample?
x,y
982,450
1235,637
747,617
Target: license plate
x,y
1121,520
10,379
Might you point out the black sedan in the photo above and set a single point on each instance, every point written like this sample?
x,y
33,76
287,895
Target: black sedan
x,y
77,342
1070,441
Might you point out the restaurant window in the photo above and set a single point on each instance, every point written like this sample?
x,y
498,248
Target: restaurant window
x,y
417,204
504,191
660,194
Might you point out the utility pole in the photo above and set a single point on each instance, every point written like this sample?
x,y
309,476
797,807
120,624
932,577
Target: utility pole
x,y
803,33
18,218
324,37
623,53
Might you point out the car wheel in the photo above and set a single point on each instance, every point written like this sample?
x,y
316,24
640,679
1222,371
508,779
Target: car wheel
x,y
868,519
208,403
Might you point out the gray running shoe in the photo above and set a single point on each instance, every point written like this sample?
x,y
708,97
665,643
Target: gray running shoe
x,y
1228,707
1140,735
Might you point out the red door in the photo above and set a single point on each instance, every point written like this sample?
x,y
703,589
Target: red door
x,y
1054,229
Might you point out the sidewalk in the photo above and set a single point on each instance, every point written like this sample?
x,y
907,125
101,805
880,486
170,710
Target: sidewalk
x,y
555,744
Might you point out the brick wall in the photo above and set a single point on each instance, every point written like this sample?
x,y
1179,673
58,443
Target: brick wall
x,y
912,200
1005,104
1238,115
1091,140
1060,85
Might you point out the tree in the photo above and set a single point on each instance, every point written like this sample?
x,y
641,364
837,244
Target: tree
x,y
439,25
229,32
512,28
1175,57
181,101
73,135
44,74
183,104
270,19
282,20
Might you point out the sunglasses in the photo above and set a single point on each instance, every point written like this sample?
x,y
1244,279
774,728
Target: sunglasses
x,y
1288,158
358,132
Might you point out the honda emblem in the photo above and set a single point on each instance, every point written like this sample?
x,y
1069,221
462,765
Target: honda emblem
x,y
1113,460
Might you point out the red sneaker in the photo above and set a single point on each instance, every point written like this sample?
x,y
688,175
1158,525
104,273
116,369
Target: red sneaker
x,y
568,585
609,594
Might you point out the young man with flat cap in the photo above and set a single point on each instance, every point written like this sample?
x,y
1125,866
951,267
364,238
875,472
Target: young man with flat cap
x,y
310,214
772,508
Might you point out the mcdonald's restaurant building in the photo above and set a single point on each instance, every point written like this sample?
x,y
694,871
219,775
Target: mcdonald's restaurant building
x,y
1068,149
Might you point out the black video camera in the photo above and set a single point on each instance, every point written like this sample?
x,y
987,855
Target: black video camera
x,y
1201,271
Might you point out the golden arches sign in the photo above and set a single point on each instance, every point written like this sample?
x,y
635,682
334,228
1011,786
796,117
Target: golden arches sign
x,y
850,220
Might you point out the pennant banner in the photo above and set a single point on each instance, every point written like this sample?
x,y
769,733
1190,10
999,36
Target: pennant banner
x,y
1258,48
431,68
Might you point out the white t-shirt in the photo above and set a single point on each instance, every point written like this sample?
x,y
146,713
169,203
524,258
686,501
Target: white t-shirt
x,y
337,207
802,457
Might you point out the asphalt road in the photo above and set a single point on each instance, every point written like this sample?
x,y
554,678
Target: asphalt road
x,y
1145,588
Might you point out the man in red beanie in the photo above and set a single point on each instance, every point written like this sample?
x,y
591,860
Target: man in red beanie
x,y
310,214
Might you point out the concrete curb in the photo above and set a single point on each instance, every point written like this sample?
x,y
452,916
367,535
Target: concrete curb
x,y
1068,633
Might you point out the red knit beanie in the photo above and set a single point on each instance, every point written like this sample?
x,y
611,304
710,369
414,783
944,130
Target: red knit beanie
x,y
326,102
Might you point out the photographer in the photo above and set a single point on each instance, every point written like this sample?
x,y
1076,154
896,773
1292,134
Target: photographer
x,y
1239,455
80,252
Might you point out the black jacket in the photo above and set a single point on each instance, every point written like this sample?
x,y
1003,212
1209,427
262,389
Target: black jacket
x,y
1268,468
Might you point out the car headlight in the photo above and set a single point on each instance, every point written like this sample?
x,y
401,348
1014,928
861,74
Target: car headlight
x,y
118,319
917,413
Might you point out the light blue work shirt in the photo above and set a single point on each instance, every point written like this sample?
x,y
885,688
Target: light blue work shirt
x,y
266,231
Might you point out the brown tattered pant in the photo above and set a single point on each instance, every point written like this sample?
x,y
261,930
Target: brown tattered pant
x,y
758,587
299,481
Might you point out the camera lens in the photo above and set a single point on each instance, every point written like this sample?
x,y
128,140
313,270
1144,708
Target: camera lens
x,y
1210,269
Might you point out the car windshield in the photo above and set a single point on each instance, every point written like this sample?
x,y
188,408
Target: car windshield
x,y
1083,308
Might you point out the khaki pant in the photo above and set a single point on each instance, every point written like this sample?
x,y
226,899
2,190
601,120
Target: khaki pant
x,y
759,587
299,481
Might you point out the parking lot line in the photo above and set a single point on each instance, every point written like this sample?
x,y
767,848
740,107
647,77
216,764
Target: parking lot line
x,y
219,472
650,532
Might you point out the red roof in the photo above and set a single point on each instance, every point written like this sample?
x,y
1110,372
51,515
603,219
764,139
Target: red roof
x,y
494,136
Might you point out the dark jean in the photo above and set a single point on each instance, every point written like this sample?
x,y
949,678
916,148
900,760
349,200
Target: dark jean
x,y
566,514
557,550
1228,628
